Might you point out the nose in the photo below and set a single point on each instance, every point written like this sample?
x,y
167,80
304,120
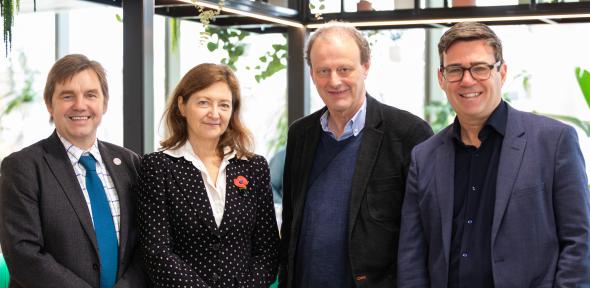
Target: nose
x,y
78,102
467,79
334,79
214,112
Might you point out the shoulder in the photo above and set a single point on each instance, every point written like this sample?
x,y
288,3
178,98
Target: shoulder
x,y
156,159
395,116
255,161
426,149
401,124
25,157
125,154
302,123
539,126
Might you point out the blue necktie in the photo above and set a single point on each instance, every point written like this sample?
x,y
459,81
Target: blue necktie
x,y
103,224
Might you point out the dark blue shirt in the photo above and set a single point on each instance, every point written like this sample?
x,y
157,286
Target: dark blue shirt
x,y
476,171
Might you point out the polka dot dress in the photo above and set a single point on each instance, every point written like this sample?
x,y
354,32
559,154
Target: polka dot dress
x,y
183,245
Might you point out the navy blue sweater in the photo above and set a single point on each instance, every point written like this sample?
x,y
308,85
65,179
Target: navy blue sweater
x,y
322,252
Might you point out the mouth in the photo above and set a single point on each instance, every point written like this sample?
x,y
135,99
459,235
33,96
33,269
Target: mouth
x,y
470,94
338,92
79,118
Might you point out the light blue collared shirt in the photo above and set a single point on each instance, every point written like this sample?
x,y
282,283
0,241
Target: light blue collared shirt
x,y
354,126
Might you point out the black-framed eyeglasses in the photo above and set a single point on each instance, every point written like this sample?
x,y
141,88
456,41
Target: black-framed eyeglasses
x,y
480,72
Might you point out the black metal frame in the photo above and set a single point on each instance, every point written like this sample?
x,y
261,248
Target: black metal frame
x,y
138,55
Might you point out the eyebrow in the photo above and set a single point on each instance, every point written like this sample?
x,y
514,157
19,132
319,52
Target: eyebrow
x,y
72,91
471,63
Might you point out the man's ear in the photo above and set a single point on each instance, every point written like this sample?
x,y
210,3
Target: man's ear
x,y
503,72
366,67
441,79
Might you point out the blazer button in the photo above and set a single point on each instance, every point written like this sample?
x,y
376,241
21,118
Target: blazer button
x,y
95,267
215,246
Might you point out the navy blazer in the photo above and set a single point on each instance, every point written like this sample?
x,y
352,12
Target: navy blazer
x,y
541,226
376,194
46,230
183,245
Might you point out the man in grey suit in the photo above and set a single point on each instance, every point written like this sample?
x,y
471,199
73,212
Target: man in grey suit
x,y
345,171
67,210
500,197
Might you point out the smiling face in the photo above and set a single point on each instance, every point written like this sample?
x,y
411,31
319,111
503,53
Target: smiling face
x,y
338,74
473,100
77,106
207,112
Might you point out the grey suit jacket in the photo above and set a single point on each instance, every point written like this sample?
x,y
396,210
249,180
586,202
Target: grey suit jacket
x,y
541,226
46,231
377,191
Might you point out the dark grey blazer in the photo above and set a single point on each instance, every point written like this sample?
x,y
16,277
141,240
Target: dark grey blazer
x,y
541,226
46,230
377,190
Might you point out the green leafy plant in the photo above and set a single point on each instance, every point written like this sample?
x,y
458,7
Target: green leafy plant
x,y
15,98
280,140
275,61
439,114
583,78
230,40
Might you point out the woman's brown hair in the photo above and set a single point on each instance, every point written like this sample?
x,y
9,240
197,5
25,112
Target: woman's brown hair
x,y
236,136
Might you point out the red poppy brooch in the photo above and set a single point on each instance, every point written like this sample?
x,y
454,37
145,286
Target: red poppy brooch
x,y
241,182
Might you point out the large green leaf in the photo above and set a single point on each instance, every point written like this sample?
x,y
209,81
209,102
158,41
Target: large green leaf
x,y
583,77
583,125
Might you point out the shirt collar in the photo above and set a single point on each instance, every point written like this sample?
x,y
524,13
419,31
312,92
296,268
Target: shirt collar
x,y
77,152
496,122
186,151
353,127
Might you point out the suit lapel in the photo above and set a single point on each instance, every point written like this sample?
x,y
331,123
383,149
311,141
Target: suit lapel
x,y
61,168
196,194
311,138
372,138
120,179
445,188
511,156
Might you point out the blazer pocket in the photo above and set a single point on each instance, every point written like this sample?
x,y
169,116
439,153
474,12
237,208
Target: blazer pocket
x,y
529,191
384,198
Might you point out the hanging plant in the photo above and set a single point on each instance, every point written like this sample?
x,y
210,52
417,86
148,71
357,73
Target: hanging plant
x,y
7,9
206,16
320,5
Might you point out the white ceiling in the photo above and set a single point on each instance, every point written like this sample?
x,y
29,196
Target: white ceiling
x,y
54,5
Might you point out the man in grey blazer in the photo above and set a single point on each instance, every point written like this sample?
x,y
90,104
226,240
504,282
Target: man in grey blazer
x,y
52,227
500,197
345,171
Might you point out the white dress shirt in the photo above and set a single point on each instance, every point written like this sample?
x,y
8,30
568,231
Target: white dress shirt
x,y
74,154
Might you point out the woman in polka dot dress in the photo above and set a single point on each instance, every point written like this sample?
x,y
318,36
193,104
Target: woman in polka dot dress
x,y
206,213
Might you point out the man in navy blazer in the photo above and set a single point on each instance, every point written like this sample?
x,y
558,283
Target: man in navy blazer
x,y
47,214
500,197
345,172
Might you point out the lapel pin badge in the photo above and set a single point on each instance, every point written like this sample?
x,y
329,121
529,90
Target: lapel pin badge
x,y
117,161
241,182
